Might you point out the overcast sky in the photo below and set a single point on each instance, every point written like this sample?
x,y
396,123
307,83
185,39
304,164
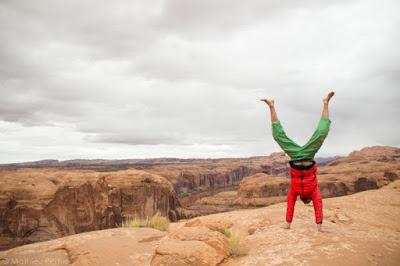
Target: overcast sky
x,y
139,79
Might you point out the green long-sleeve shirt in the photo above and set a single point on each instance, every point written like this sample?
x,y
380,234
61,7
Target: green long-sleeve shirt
x,y
308,150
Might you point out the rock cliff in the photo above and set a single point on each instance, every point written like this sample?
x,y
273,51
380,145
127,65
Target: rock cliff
x,y
193,181
192,178
37,205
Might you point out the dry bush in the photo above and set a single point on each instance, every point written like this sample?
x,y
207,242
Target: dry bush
x,y
157,221
237,246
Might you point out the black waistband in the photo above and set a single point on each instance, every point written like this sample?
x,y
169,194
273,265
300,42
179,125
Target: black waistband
x,y
301,167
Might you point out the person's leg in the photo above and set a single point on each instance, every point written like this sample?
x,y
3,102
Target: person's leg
x,y
317,202
291,201
325,111
289,146
321,132
271,105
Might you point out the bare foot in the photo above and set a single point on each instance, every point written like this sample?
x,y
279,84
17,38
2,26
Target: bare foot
x,y
286,226
319,227
269,102
328,97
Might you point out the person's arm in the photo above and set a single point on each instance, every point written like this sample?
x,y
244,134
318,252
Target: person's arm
x,y
290,203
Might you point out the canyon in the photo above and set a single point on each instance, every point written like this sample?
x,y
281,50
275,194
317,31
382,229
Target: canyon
x,y
358,229
192,178
45,200
369,168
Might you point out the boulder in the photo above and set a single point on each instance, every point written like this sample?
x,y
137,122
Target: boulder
x,y
195,245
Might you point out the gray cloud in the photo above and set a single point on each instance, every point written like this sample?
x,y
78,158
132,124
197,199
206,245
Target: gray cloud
x,y
184,78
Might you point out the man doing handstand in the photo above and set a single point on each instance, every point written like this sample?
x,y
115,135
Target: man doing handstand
x,y
303,168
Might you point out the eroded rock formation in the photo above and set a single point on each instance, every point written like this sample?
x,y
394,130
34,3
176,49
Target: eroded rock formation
x,y
194,245
199,179
37,205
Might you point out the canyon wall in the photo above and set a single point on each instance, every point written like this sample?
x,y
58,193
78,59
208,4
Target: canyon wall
x,y
37,205
200,179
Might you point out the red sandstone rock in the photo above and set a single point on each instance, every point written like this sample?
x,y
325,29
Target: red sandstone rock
x,y
118,246
191,246
42,204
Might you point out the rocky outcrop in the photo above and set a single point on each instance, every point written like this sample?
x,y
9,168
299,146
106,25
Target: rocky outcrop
x,y
377,153
261,190
118,246
41,205
194,245
360,229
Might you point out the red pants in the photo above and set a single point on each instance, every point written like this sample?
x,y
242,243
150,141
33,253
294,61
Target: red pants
x,y
305,184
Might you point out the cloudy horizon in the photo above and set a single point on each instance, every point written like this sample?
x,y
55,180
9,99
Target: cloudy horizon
x,y
184,79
